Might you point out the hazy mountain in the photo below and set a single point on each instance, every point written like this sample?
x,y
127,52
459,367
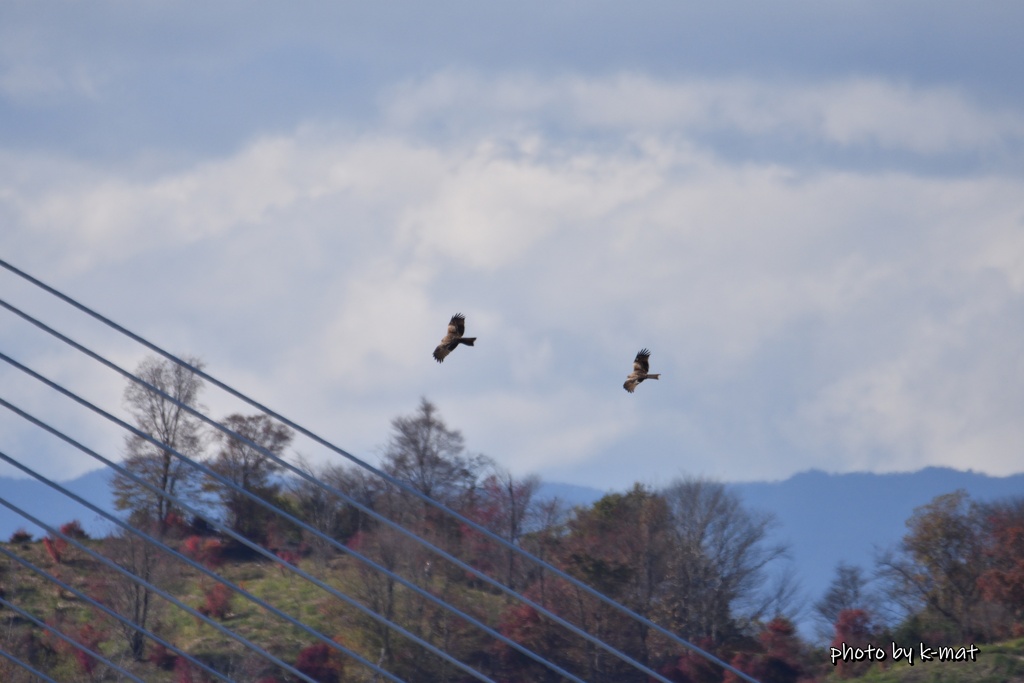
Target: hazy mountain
x,y
827,518
54,508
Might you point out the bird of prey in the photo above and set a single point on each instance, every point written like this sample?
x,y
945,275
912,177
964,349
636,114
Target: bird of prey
x,y
640,368
456,328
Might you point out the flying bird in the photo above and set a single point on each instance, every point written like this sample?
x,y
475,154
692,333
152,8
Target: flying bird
x,y
456,328
640,368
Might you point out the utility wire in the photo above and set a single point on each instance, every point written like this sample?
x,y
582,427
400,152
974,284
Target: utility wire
x,y
195,565
71,641
257,548
408,489
54,533
26,666
106,610
338,493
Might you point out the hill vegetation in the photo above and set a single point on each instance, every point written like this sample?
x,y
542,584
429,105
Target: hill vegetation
x,y
219,577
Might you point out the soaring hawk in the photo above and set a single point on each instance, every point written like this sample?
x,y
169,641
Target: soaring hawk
x,y
640,368
456,328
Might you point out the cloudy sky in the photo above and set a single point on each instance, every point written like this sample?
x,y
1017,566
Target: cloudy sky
x,y
812,214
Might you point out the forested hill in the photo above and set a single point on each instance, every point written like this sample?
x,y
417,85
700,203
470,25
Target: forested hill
x,y
828,518
824,518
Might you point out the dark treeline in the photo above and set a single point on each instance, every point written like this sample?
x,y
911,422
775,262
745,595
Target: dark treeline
x,y
690,557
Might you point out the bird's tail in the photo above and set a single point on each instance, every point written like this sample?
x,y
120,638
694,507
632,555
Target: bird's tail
x,y
468,341
657,376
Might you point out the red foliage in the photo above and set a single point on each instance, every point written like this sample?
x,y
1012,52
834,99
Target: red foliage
x,y
207,551
21,536
183,672
522,623
162,658
193,546
357,541
86,636
213,552
1004,582
743,661
853,629
321,662
218,602
86,662
289,556
779,658
693,668
55,547
73,529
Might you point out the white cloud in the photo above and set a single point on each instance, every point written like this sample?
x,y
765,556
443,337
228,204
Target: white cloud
x,y
323,264
847,113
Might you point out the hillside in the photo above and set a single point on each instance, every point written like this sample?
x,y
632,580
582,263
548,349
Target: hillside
x,y
824,518
828,518
292,595
996,663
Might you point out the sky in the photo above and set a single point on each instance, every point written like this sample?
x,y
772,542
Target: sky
x,y
811,213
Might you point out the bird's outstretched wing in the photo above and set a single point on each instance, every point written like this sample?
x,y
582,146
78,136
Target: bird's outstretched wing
x,y
642,362
456,328
640,367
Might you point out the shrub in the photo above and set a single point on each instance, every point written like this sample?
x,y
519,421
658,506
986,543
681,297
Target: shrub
x,y
218,602
21,536
73,529
55,548
319,662
207,551
162,658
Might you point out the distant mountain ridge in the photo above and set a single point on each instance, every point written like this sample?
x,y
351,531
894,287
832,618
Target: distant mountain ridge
x,y
54,508
830,518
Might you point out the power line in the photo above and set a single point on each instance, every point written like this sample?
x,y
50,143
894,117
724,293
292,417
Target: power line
x,y
26,666
334,491
198,567
67,639
278,511
403,486
106,610
54,533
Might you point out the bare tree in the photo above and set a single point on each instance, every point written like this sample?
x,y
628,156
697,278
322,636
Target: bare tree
x,y
325,511
249,469
847,591
130,598
170,425
426,455
505,507
719,554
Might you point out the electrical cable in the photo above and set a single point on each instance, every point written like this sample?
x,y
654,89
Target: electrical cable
x,y
54,533
67,639
408,489
334,491
106,610
26,666
263,551
195,565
